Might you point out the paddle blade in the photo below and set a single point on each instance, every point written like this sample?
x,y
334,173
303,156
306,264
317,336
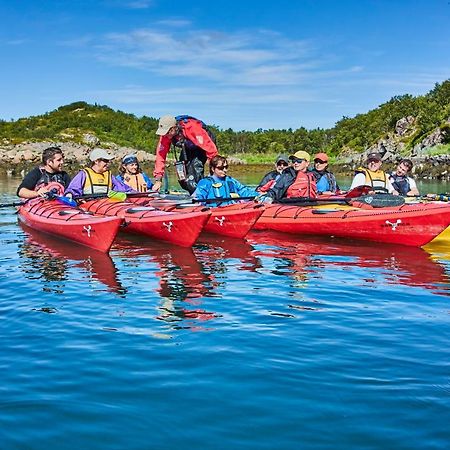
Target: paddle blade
x,y
117,196
358,191
66,201
380,200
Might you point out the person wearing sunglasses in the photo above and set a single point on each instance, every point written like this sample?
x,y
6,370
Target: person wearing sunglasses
x,y
132,174
325,180
295,181
372,175
193,143
218,185
97,178
270,178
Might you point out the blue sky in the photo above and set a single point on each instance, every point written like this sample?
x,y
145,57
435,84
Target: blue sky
x,y
242,65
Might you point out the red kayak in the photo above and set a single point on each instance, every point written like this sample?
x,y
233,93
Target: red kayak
x,y
409,224
231,220
52,217
180,228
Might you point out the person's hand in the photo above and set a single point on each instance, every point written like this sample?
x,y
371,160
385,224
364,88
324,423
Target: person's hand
x,y
264,199
157,186
42,192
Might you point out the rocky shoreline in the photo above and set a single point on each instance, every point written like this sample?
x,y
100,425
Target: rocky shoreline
x,y
15,159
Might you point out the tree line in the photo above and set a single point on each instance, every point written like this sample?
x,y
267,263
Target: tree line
x,y
71,122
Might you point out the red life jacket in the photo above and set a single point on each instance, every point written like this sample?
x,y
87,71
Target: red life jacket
x,y
303,186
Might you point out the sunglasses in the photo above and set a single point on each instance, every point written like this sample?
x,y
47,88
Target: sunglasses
x,y
298,160
282,163
106,161
319,161
221,167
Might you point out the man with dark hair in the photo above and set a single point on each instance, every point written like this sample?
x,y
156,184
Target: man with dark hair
x,y
36,181
400,181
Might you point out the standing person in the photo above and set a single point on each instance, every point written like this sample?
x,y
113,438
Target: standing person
x,y
36,182
196,144
400,181
132,175
372,175
295,181
325,180
96,179
271,177
219,185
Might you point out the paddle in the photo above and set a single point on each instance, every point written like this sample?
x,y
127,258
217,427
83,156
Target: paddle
x,y
375,200
11,205
122,196
51,195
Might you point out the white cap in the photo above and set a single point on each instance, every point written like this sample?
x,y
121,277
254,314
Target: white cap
x,y
99,153
165,124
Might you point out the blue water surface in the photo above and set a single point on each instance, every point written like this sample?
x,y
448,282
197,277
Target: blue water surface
x,y
273,342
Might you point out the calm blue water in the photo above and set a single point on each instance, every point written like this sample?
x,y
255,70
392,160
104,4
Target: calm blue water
x,y
274,342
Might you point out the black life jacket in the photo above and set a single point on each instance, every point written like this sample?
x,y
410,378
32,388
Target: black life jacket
x,y
400,183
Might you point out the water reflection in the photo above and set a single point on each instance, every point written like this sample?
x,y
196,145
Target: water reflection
x,y
299,256
50,259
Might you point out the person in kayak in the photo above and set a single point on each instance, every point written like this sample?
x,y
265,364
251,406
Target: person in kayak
x,y
325,180
372,175
219,185
96,179
132,175
36,182
196,144
295,181
271,177
400,180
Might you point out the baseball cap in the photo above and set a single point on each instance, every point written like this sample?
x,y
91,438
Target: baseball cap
x,y
322,156
301,155
374,157
165,124
282,157
99,153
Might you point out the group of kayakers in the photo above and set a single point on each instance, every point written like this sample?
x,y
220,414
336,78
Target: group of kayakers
x,y
194,145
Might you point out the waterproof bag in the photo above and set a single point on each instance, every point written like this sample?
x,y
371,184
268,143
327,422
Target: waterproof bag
x,y
180,168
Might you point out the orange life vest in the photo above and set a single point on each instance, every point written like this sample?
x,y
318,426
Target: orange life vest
x,y
137,182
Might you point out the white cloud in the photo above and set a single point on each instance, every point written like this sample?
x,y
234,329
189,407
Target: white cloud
x,y
250,58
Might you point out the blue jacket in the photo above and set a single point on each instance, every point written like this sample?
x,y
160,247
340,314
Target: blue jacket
x,y
214,187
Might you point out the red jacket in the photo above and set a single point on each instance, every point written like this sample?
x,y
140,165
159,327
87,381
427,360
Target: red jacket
x,y
192,129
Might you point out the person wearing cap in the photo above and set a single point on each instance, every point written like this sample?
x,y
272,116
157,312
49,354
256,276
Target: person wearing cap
x,y
400,180
219,185
96,179
132,175
325,180
36,182
295,181
372,175
195,144
270,178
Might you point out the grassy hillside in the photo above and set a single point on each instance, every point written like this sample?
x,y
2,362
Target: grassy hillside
x,y
71,122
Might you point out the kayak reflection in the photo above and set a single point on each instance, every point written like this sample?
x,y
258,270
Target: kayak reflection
x,y
410,266
51,259
183,284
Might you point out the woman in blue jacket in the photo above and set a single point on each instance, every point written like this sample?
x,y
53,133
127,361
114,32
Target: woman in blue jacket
x,y
219,185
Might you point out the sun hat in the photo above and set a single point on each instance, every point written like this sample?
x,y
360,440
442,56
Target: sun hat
x,y
322,156
282,157
301,155
129,159
374,157
165,124
99,153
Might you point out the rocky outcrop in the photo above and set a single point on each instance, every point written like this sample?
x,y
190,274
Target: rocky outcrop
x,y
14,158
